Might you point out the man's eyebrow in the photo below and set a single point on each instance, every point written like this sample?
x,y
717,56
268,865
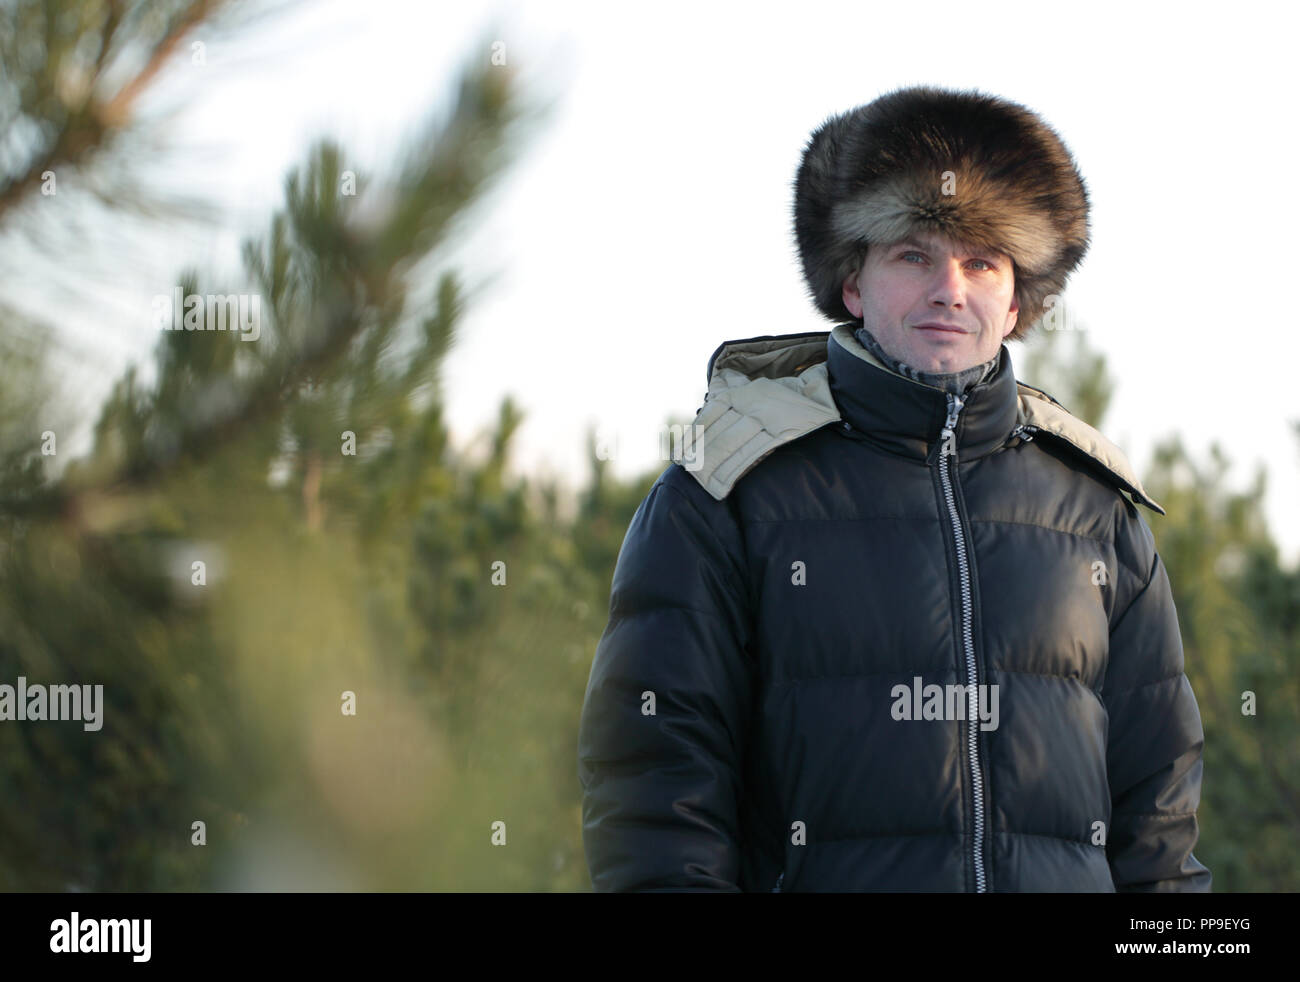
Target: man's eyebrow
x,y
913,244
970,250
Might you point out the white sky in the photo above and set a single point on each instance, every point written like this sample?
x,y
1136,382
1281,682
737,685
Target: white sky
x,y
651,220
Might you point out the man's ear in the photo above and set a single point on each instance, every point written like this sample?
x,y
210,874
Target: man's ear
x,y
849,293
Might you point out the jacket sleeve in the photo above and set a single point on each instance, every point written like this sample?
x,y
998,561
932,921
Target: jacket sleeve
x,y
661,791
1153,754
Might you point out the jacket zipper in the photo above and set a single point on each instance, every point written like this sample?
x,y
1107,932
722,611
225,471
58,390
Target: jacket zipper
x,y
948,451
777,888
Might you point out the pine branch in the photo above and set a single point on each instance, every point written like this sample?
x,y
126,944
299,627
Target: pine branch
x,y
338,276
89,127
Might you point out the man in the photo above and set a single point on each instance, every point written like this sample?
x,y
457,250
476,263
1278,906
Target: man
x,y
892,624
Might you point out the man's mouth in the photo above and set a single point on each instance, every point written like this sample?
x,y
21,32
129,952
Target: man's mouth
x,y
940,328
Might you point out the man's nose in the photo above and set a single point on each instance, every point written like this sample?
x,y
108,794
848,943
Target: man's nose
x,y
948,285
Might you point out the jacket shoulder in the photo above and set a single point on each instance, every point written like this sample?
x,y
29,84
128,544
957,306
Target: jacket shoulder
x,y
763,393
1038,412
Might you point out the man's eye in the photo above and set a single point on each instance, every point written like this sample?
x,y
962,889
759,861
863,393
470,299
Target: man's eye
x,y
988,264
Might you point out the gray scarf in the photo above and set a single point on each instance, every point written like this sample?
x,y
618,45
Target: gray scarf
x,y
957,382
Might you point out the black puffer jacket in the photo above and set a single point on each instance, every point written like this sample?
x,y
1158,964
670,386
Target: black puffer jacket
x,y
758,716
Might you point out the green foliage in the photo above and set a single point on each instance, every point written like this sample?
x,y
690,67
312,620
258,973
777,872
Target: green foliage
x,y
1238,611
431,587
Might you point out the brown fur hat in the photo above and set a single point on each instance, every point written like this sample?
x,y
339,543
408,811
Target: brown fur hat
x,y
971,166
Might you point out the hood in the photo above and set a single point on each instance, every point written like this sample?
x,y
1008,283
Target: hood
x,y
767,391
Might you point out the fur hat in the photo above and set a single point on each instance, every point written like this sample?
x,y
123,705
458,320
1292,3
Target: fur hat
x,y
974,167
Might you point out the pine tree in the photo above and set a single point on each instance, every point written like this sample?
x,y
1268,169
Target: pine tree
x,y
271,530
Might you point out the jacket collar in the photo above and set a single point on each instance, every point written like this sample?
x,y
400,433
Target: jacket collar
x,y
907,417
767,391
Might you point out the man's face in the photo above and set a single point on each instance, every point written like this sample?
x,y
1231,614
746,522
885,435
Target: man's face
x,y
930,278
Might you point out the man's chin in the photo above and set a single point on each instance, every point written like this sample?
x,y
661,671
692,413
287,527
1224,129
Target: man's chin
x,y
946,369
934,363
932,366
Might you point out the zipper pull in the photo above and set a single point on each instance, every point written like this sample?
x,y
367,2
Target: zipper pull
x,y
949,434
1024,431
777,888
